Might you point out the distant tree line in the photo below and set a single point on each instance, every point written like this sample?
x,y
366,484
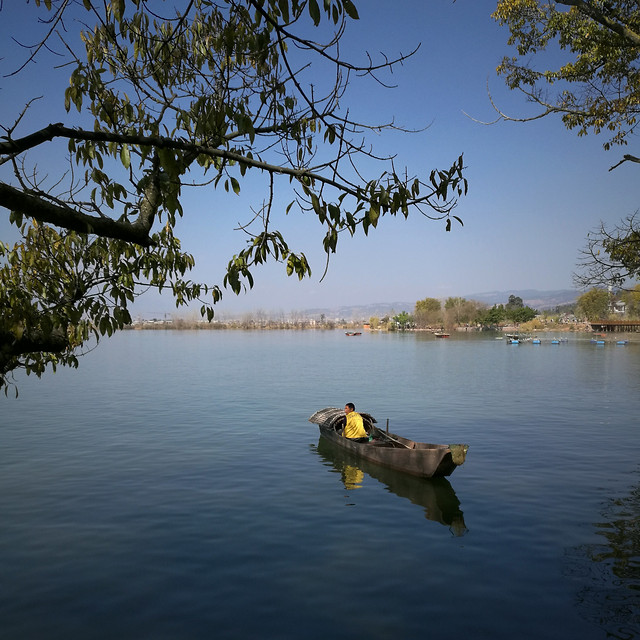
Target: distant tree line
x,y
431,313
434,314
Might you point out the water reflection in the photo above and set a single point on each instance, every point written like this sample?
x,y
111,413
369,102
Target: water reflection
x,y
609,571
352,477
436,495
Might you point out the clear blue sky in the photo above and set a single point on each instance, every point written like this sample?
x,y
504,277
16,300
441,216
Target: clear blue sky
x,y
535,189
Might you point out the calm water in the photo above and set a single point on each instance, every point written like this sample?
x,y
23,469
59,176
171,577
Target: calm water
x,y
173,488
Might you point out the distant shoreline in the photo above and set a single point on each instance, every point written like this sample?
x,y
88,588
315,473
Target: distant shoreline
x,y
181,325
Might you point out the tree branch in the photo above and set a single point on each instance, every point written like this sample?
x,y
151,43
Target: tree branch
x,y
159,142
32,140
626,158
622,30
12,347
69,218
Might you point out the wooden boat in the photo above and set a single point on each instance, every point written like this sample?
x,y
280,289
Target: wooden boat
x,y
517,338
419,459
353,333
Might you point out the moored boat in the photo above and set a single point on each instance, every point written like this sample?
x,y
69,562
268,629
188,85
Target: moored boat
x,y
419,459
441,334
517,338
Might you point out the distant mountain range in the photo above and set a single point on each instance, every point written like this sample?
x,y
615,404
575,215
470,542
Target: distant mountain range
x,y
533,298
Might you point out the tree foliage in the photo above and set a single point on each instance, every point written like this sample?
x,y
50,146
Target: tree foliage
x,y
515,302
518,315
163,97
493,317
611,256
596,85
594,304
428,312
428,304
632,301
594,88
460,311
403,320
514,311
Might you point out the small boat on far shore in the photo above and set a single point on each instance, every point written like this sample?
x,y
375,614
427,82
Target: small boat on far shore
x,y
441,334
517,338
353,333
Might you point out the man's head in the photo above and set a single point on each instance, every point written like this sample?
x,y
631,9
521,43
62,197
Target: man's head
x,y
349,407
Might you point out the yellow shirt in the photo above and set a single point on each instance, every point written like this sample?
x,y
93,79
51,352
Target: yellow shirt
x,y
354,427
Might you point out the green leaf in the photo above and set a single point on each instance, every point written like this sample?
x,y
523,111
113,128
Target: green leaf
x,y
314,12
315,203
284,9
350,9
125,158
374,215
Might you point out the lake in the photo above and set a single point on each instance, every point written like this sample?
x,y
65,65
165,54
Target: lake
x,y
172,487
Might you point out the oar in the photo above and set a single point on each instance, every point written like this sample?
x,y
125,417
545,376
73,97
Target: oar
x,y
388,437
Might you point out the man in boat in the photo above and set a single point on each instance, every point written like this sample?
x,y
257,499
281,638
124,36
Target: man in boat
x,y
354,427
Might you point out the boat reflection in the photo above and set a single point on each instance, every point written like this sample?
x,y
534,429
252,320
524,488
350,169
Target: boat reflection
x,y
435,495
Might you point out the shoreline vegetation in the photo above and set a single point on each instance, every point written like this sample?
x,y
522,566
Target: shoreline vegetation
x,y
252,323
616,313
